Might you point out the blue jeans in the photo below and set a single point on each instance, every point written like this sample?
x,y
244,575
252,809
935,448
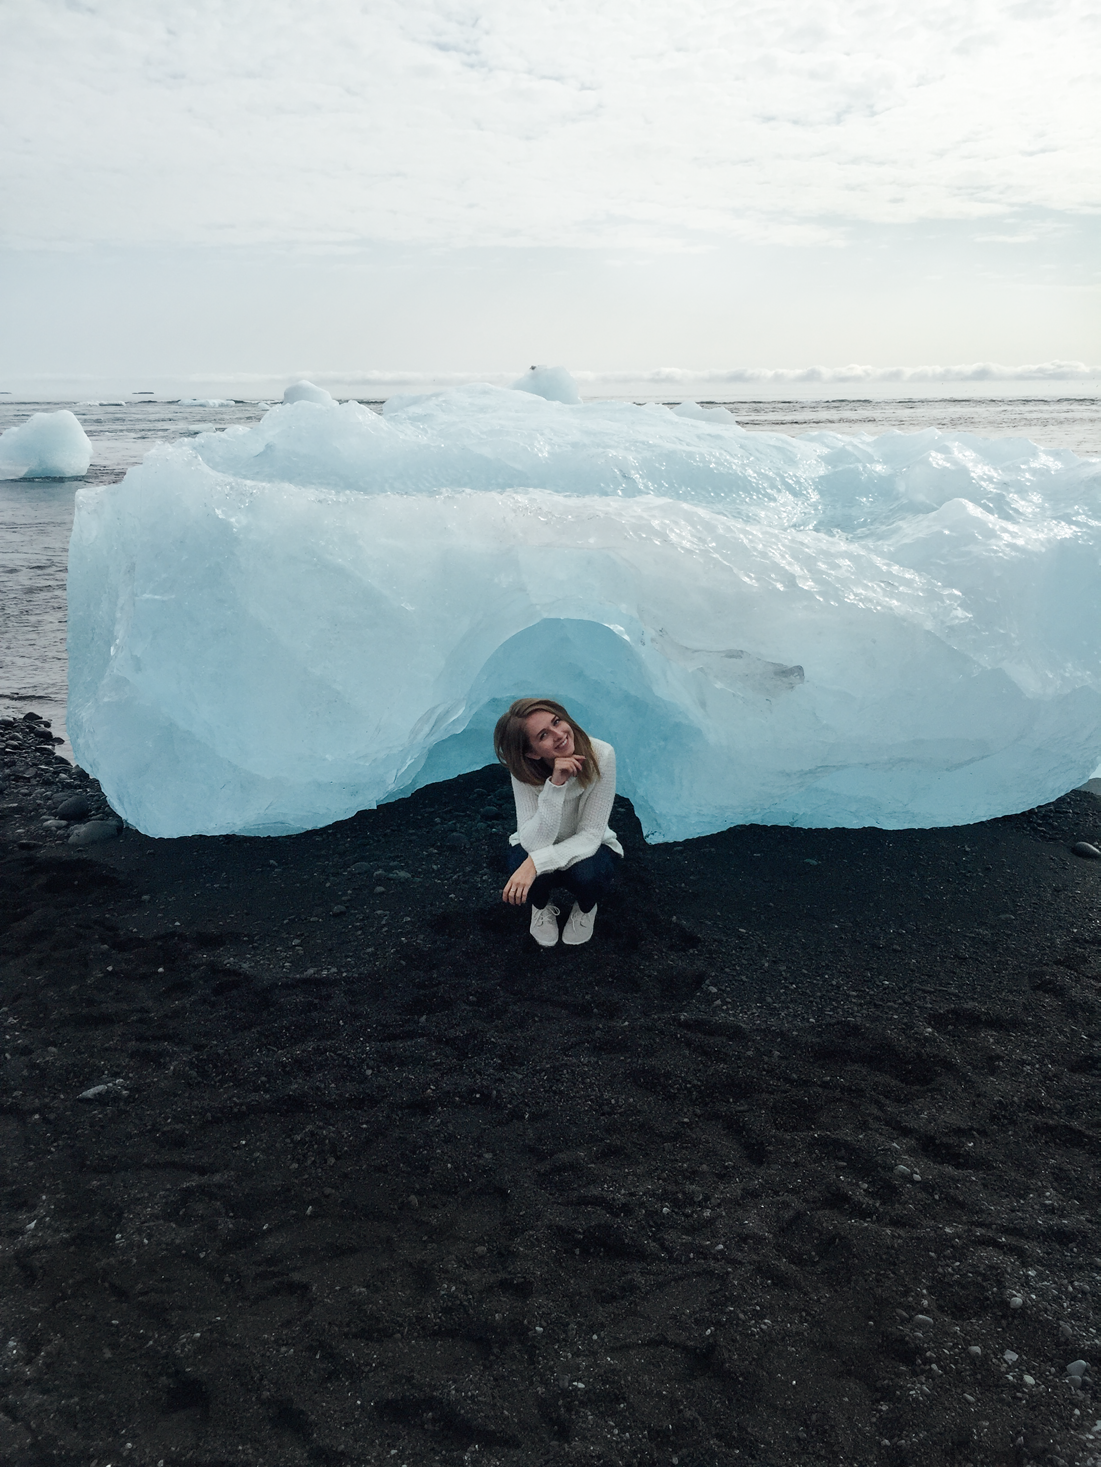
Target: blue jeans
x,y
589,880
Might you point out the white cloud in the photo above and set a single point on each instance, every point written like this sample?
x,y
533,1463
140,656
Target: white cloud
x,y
459,122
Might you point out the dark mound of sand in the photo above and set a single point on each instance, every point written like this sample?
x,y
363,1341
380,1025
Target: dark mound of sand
x,y
311,1156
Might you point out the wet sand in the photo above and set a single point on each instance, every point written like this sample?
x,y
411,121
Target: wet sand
x,y
311,1156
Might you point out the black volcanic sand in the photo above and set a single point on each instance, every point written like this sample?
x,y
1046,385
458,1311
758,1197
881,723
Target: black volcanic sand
x,y
311,1156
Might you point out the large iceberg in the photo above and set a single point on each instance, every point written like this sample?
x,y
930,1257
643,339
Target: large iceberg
x,y
46,446
274,626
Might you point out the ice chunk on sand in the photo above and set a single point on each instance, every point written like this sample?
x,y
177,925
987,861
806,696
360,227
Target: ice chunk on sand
x,y
46,446
552,383
306,392
273,627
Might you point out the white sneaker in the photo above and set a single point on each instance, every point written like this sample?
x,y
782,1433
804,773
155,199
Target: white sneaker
x,y
544,925
579,926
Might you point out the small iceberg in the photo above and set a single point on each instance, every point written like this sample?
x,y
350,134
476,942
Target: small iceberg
x,y
46,446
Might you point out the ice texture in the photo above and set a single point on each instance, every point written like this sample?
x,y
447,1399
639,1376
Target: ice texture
x,y
554,384
46,446
274,626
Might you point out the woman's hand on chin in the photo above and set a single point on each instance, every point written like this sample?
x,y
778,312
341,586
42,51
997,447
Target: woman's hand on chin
x,y
567,767
519,884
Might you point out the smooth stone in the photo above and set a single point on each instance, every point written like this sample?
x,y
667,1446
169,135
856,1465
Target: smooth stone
x,y
923,1319
361,868
1083,848
1078,1368
455,839
93,833
400,876
108,1090
491,812
74,807
339,911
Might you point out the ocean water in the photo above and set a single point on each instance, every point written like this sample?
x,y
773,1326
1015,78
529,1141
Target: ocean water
x,y
36,516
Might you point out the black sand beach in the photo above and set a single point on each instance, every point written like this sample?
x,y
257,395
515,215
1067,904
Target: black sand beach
x,y
310,1156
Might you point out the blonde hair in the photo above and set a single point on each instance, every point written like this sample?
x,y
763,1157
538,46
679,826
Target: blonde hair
x,y
510,742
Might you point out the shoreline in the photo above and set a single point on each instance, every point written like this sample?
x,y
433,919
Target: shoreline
x,y
312,1156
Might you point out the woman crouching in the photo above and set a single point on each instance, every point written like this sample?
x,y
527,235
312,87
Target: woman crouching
x,y
563,783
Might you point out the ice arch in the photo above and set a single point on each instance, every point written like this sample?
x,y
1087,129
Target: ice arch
x,y
602,680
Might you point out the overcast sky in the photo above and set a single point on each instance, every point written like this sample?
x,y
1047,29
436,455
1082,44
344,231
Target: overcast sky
x,y
261,185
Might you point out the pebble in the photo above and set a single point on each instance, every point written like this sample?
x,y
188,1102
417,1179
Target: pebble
x,y
1010,1356
75,807
1083,848
1015,1301
1029,1380
1077,1369
338,911
975,1350
361,868
94,832
923,1319
401,876
456,839
108,1088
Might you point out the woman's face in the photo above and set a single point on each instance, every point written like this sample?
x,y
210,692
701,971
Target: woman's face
x,y
549,737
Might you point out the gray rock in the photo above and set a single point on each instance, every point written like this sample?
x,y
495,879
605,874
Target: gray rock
x,y
1078,1369
490,812
93,833
361,868
1083,848
338,911
75,807
455,839
401,876
922,1319
109,1090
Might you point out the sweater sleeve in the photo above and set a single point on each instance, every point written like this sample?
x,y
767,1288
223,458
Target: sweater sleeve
x,y
592,822
538,814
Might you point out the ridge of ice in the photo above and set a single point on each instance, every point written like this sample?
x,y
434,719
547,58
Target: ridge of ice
x,y
274,626
46,446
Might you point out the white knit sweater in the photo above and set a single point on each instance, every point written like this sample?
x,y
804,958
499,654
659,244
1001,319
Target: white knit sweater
x,y
559,825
